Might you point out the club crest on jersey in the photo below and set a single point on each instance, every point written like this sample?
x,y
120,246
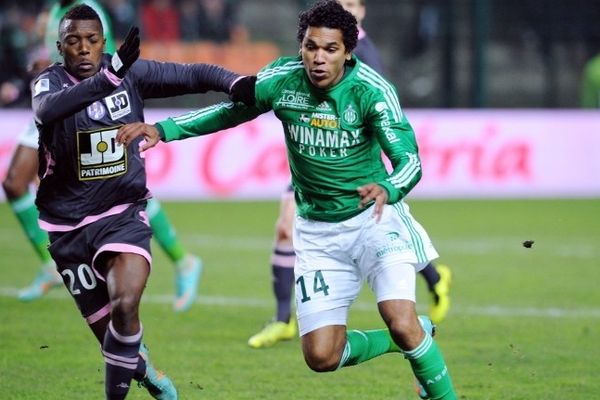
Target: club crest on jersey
x,y
96,110
100,156
118,105
350,115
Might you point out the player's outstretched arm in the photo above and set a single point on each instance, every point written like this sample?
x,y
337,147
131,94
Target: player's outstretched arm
x,y
127,133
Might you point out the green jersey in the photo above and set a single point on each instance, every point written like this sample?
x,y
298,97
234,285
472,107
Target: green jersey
x,y
57,12
334,137
590,84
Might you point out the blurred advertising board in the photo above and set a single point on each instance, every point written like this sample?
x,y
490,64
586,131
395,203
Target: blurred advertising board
x,y
464,154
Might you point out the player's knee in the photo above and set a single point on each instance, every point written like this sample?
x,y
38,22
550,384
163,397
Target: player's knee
x,y
125,308
9,187
405,330
322,360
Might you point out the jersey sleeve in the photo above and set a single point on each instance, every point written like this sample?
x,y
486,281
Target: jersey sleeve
x,y
397,140
206,120
220,116
163,79
50,101
267,82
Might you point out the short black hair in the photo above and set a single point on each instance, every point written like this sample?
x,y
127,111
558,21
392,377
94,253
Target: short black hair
x,y
80,12
329,14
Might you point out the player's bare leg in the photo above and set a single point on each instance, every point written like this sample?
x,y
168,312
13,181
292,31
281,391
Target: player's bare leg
x,y
21,174
124,356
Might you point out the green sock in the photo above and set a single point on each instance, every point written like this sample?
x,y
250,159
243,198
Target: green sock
x,y
27,214
362,346
429,367
164,232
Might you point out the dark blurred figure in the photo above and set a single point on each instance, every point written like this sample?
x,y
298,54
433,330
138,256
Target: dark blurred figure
x,y
189,11
590,83
160,21
123,14
14,44
217,21
427,26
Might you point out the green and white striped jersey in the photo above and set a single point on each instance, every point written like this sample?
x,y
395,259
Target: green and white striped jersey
x,y
334,136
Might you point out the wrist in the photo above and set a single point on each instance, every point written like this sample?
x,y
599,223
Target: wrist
x,y
114,79
161,132
234,82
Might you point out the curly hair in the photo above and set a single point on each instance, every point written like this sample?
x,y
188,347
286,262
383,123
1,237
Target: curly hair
x,y
329,14
80,12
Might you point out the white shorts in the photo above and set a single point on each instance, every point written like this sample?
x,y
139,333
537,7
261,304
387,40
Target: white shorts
x,y
29,136
334,259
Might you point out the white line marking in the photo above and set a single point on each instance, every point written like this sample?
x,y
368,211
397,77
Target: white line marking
x,y
225,301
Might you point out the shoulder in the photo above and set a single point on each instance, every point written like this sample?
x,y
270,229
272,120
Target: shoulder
x,y
54,70
367,80
373,90
279,69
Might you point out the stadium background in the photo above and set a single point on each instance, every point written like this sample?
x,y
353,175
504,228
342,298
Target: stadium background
x,y
439,53
486,77
524,58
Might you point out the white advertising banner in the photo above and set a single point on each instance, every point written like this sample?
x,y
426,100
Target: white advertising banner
x,y
464,153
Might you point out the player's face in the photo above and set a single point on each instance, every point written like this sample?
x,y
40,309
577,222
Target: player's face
x,y
81,45
324,55
355,8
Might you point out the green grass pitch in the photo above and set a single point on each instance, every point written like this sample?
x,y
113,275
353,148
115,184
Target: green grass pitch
x,y
524,322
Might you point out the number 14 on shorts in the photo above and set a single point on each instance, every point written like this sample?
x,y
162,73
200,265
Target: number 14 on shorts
x,y
318,285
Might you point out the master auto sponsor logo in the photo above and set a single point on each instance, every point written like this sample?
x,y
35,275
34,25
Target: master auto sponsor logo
x,y
322,120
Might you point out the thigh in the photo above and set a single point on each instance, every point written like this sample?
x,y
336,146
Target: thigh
x,y
128,232
22,170
82,256
396,238
74,262
327,280
394,281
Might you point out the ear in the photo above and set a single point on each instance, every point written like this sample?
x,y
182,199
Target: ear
x,y
348,56
59,47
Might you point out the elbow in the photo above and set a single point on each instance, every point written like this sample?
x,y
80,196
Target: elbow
x,y
42,113
41,117
418,175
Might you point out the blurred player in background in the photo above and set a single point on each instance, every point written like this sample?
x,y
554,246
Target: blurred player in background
x,y
590,83
22,173
92,196
352,224
282,326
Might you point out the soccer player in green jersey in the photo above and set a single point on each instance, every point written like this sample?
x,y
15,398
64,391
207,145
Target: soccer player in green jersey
x,y
283,326
23,170
352,224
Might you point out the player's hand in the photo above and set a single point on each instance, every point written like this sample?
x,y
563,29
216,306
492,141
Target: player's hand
x,y
243,90
129,51
128,133
376,193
